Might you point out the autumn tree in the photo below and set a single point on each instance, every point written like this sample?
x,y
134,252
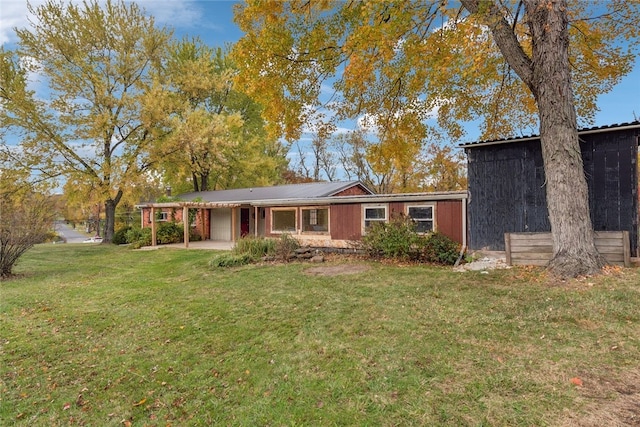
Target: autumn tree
x,y
353,153
431,168
87,125
316,161
443,169
212,134
515,65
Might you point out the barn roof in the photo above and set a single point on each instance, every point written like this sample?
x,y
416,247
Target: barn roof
x,y
584,131
278,192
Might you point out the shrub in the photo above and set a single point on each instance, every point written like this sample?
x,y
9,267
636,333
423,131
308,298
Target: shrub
x,y
440,249
120,236
396,239
194,235
257,247
26,219
139,237
51,236
169,232
230,260
285,246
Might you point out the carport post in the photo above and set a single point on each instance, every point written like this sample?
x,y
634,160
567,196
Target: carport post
x,y
255,225
154,241
233,223
186,225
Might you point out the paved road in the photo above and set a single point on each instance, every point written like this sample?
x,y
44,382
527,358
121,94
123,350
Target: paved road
x,y
71,235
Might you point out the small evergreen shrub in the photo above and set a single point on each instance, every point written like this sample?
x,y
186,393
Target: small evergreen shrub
x,y
139,237
257,247
120,236
227,260
440,249
169,232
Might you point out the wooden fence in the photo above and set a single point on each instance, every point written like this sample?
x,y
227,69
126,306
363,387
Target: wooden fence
x,y
537,248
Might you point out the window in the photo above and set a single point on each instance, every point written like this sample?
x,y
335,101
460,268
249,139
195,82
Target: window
x,y
423,217
162,216
283,221
315,220
373,214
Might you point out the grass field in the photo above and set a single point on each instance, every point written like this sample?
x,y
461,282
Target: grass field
x,y
106,336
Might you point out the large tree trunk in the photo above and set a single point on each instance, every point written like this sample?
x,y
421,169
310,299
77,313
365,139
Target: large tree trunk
x,y
547,74
110,217
574,251
204,181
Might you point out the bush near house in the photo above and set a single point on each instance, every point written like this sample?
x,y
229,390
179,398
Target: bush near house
x,y
169,232
285,247
252,249
439,249
120,236
256,247
398,239
139,237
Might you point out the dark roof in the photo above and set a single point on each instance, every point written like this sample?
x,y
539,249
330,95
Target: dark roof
x,y
278,192
584,131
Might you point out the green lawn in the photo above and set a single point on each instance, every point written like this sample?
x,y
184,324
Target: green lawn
x,y
104,335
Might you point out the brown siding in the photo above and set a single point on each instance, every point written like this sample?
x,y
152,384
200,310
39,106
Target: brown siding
x,y
346,222
449,219
356,190
396,209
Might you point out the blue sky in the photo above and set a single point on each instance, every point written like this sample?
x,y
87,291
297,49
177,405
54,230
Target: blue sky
x,y
212,21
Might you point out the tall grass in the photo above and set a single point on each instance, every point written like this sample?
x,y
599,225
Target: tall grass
x,y
256,247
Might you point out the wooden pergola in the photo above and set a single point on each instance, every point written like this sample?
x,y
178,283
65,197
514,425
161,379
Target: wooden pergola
x,y
185,206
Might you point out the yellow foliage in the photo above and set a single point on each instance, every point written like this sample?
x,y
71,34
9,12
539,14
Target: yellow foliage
x,y
382,56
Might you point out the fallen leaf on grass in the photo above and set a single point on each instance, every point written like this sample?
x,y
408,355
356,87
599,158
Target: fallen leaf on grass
x,y
66,406
140,402
80,400
576,381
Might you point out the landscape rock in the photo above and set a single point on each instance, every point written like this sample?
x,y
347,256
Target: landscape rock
x,y
484,264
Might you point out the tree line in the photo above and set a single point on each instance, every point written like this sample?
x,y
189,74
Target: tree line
x,y
127,110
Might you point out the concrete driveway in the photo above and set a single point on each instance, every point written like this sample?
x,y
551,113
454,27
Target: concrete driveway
x,y
69,234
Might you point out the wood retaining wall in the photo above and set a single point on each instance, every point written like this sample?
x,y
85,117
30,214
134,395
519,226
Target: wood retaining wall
x,y
537,248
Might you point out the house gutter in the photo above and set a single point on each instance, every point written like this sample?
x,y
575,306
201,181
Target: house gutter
x,y
383,198
330,200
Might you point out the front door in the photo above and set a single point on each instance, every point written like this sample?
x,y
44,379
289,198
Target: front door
x,y
245,221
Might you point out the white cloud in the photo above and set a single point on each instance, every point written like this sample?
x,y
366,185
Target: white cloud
x,y
187,14
173,13
14,14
